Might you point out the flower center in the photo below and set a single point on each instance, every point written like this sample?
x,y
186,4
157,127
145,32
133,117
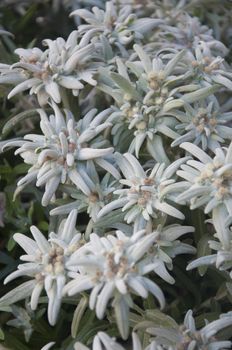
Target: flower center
x,y
206,65
93,197
221,184
55,264
204,120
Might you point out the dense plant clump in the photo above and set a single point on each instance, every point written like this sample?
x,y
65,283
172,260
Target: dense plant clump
x,y
116,175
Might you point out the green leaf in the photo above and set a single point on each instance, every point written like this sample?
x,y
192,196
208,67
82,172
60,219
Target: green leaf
x,y
11,244
14,343
200,94
125,85
21,292
175,103
121,310
21,169
229,288
10,124
161,319
2,336
77,316
116,95
110,220
203,249
43,226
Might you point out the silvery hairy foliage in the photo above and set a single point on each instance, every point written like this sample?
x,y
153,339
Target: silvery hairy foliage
x,y
59,155
135,119
45,263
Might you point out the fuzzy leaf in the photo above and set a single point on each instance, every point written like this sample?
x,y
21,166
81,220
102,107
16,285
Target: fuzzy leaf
x,y
77,316
21,292
203,249
125,85
200,94
10,124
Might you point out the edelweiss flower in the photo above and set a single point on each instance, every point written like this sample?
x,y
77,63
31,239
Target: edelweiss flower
x,y
101,193
166,247
208,181
118,28
46,265
222,258
189,338
203,124
209,184
113,267
144,197
65,64
185,31
142,106
209,69
55,156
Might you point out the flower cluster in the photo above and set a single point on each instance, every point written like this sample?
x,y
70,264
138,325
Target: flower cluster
x,y
149,106
186,336
135,121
